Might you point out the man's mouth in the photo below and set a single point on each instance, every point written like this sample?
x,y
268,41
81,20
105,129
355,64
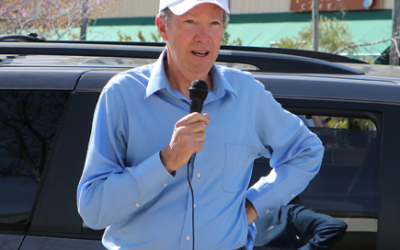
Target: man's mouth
x,y
201,54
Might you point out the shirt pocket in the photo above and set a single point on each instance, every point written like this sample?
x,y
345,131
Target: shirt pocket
x,y
236,174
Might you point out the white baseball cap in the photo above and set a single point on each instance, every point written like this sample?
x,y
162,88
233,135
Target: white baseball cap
x,y
180,7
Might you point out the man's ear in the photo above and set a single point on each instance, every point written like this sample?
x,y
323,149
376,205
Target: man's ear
x,y
161,27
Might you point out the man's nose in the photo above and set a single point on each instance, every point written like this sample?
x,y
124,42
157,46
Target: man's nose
x,y
203,35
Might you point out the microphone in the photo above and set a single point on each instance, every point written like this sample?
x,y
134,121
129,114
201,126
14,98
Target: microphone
x,y
198,92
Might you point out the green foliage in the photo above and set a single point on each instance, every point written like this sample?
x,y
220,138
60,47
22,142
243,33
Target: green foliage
x,y
123,37
362,124
156,38
349,123
333,34
140,36
225,39
128,38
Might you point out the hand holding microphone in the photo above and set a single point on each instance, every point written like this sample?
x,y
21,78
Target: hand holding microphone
x,y
189,132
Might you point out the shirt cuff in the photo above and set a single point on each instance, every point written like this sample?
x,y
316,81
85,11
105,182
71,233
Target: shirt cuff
x,y
263,199
153,173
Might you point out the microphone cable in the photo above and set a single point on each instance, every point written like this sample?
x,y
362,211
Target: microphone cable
x,y
191,190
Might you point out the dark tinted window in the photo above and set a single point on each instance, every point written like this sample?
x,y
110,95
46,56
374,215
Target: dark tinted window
x,y
28,125
346,186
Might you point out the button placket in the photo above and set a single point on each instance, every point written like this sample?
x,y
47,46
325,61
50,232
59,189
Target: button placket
x,y
186,237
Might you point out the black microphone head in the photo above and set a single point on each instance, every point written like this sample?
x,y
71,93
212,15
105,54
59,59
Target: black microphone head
x,y
199,84
198,90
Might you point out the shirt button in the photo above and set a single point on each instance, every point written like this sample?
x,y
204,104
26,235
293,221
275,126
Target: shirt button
x,y
194,205
137,204
166,184
267,211
292,195
198,175
187,238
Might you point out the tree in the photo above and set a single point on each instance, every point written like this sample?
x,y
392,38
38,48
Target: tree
x,y
49,18
154,36
333,35
28,125
123,37
225,39
127,38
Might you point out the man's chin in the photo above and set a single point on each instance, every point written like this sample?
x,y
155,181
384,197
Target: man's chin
x,y
201,69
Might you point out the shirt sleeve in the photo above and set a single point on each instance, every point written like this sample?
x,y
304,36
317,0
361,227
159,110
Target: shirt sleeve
x,y
295,155
324,230
109,191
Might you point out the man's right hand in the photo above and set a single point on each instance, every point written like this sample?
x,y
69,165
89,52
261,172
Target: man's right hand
x,y
188,138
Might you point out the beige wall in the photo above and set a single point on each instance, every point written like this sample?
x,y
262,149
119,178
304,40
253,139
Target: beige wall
x,y
259,6
140,8
387,4
271,6
135,8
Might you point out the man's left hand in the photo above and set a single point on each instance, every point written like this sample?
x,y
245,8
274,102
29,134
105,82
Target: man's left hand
x,y
251,212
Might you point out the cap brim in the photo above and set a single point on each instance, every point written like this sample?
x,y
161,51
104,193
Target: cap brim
x,y
183,7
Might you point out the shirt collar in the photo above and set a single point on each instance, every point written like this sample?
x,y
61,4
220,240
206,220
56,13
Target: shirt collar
x,y
221,85
158,79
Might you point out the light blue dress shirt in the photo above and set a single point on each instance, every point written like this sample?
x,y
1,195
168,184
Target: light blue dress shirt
x,y
126,189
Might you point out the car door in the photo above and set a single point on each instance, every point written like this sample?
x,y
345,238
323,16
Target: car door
x,y
33,105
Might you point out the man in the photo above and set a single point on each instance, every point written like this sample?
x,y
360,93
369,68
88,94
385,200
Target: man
x,y
297,227
135,178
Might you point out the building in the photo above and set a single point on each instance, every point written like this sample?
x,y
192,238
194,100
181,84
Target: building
x,y
258,23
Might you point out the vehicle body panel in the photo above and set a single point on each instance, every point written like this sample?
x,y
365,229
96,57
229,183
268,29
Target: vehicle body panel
x,y
54,221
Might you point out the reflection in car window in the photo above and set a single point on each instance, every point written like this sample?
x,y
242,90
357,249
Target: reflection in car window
x,y
28,124
347,184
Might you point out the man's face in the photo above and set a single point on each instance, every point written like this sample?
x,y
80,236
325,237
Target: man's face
x,y
193,40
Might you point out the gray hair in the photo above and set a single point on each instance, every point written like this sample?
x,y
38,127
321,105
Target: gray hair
x,y
166,13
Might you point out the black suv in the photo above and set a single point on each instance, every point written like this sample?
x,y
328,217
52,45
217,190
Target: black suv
x,y
48,92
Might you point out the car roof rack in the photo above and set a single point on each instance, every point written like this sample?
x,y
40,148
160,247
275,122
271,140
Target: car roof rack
x,y
31,37
266,62
294,52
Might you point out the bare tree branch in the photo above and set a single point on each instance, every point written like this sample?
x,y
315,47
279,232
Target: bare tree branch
x,y
50,18
394,39
366,44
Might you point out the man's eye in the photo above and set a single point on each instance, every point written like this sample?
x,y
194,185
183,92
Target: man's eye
x,y
215,23
189,21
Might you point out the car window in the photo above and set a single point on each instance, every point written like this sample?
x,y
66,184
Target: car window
x,y
347,184
28,125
